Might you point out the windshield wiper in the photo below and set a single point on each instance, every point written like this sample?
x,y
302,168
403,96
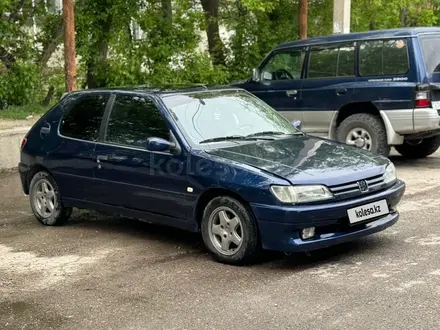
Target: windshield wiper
x,y
274,133
224,138
266,133
234,137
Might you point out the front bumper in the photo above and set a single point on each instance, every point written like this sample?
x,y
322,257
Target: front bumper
x,y
280,226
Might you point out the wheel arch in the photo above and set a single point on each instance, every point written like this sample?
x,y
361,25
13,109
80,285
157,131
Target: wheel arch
x,y
34,169
208,195
349,109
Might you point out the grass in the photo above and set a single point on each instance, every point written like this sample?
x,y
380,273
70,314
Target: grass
x,y
21,112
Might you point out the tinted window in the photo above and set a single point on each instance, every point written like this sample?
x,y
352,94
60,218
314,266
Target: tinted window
x,y
133,120
382,57
431,52
331,62
84,119
286,65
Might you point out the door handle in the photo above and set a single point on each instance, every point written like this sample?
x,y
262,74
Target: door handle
x,y
291,92
341,91
117,158
100,158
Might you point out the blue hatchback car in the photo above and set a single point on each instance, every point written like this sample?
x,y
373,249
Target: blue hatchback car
x,y
215,160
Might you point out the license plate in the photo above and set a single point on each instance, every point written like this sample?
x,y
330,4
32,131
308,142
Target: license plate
x,y
368,211
436,105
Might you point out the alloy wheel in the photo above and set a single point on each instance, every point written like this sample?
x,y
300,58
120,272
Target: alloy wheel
x,y
225,230
360,138
44,199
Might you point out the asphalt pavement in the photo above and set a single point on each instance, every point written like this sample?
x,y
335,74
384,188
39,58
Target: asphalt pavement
x,y
102,272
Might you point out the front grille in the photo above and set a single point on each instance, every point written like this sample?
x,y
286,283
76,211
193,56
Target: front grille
x,y
351,189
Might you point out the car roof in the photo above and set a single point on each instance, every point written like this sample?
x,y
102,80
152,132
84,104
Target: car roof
x,y
160,90
377,34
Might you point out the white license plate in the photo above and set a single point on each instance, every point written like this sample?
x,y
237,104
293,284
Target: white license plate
x,y
436,105
368,211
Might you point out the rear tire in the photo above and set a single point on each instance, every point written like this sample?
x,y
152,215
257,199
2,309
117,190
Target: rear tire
x,y
46,201
422,149
230,231
369,129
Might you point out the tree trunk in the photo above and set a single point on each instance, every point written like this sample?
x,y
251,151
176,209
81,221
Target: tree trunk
x,y
167,10
50,45
402,17
69,45
49,96
215,44
302,18
97,64
6,57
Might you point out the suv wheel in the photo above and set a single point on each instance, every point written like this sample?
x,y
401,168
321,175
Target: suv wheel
x,y
365,131
46,202
419,148
230,231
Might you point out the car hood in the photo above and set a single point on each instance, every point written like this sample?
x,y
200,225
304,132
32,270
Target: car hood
x,y
305,159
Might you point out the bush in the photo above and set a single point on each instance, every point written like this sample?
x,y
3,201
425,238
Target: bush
x,y
19,85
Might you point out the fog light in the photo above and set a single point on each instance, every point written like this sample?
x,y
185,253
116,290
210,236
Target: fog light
x,y
308,233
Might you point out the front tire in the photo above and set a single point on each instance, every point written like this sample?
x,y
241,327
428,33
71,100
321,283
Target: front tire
x,y
230,231
46,201
419,149
365,131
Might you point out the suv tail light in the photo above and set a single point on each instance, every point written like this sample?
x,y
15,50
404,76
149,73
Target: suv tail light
x,y
23,143
423,100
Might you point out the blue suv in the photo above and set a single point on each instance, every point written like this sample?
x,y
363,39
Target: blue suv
x,y
219,161
372,90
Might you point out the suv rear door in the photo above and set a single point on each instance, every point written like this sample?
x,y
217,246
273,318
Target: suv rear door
x,y
386,79
328,85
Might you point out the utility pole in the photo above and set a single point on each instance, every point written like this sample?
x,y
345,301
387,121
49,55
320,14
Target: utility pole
x,y
341,16
69,45
302,18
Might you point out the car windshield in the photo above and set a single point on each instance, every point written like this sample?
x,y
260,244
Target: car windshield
x,y
225,115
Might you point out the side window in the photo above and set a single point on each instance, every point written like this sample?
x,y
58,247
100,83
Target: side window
x,y
83,120
383,57
285,65
133,120
328,62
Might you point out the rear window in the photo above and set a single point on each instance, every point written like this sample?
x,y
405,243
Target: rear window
x,y
383,57
431,52
83,120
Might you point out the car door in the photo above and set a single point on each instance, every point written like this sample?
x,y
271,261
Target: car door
x,y
329,84
72,160
280,84
130,176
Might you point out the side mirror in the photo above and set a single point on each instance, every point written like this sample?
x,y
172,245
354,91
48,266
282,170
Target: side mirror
x,y
256,75
297,124
159,144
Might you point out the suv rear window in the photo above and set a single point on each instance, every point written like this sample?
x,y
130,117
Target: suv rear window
x,y
383,57
83,120
430,45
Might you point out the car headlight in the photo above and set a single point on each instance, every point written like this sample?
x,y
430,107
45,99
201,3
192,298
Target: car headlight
x,y
301,194
390,174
